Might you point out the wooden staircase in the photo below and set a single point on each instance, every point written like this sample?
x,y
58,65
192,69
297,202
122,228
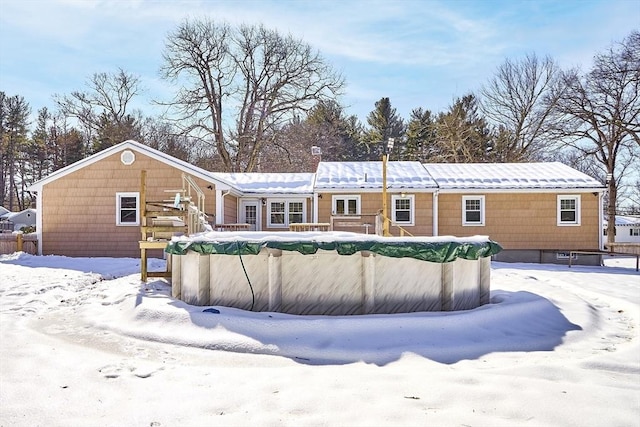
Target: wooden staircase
x,y
163,219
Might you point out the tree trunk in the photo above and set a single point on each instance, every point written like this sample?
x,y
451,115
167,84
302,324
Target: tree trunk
x,y
611,213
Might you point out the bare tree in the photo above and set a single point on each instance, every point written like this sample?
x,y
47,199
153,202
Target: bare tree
x,y
600,114
104,110
238,86
520,98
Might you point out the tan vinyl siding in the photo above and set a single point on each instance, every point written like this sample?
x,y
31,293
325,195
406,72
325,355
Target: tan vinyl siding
x,y
523,220
230,210
371,204
79,209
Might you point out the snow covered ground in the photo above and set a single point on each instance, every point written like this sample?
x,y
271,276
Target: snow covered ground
x,y
84,343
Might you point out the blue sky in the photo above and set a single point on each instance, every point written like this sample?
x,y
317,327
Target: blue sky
x,y
418,53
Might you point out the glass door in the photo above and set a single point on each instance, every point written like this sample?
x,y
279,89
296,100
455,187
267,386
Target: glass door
x,y
250,214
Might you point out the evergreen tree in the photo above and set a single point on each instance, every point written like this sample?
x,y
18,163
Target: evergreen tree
x,y
14,118
384,123
39,160
110,132
421,136
463,136
325,127
66,144
335,133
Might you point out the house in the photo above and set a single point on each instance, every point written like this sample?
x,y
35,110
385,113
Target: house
x,y
627,229
16,221
92,207
536,211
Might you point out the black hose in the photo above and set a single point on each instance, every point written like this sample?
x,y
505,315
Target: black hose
x,y
253,296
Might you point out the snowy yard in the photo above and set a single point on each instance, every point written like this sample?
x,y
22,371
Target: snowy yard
x,y
84,343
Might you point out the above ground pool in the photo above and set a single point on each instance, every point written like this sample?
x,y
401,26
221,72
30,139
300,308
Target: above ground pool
x,y
331,273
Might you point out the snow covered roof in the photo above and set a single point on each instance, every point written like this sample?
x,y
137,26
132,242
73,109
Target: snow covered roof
x,y
625,221
350,176
368,175
269,183
552,175
29,212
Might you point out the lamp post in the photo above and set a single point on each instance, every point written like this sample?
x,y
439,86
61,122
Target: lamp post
x,y
385,217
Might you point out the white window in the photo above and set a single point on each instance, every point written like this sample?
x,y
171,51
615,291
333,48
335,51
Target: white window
x,y
472,210
284,212
296,212
402,209
568,210
127,208
345,205
634,232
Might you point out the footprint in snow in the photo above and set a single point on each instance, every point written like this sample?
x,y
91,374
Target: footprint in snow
x,y
117,370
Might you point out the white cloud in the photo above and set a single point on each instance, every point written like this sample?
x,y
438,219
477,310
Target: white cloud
x,y
431,50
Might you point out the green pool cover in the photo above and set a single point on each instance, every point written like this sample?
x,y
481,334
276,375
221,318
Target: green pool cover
x,y
436,251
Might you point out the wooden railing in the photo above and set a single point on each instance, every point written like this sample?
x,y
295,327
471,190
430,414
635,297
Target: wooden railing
x,y
403,231
231,227
365,223
310,226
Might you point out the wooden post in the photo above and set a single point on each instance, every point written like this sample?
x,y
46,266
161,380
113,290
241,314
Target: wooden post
x,y
143,202
385,218
143,220
19,242
143,263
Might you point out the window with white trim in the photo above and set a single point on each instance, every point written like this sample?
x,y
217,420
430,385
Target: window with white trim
x,y
634,232
127,208
345,205
568,210
296,212
402,209
281,213
472,210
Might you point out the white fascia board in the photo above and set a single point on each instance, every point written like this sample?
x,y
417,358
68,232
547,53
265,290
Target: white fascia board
x,y
351,190
519,190
277,196
141,148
